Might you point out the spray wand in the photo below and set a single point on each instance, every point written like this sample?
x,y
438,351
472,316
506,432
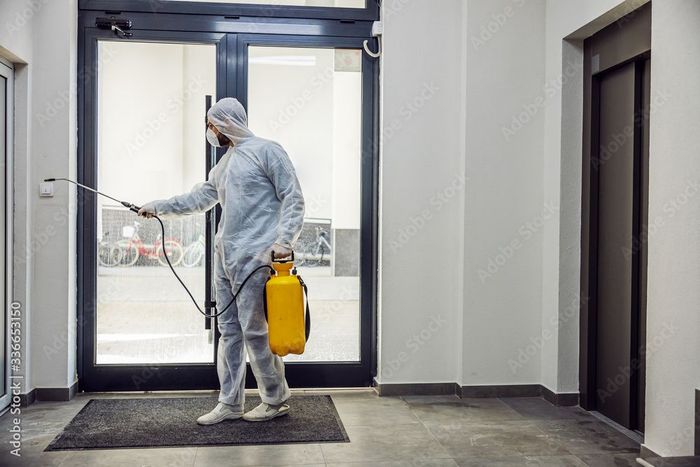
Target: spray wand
x,y
136,209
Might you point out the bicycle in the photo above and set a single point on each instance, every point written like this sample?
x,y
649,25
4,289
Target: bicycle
x,y
194,253
109,254
133,248
313,253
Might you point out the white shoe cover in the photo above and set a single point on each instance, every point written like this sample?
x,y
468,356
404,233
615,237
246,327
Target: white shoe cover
x,y
220,413
265,412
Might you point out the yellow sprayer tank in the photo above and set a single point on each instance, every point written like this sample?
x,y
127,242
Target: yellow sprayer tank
x,y
287,318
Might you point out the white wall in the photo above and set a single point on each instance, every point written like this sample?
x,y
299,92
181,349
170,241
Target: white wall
x,y
16,45
199,77
673,309
347,150
284,110
152,118
503,240
315,113
54,139
422,181
16,33
458,189
41,38
562,186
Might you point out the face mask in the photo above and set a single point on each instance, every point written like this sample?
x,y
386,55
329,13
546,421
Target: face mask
x,y
213,140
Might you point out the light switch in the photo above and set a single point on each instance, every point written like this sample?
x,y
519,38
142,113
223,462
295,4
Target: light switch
x,y
46,189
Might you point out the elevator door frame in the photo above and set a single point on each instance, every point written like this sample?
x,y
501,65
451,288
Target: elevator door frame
x,y
626,41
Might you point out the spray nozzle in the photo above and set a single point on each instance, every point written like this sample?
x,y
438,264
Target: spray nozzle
x,y
131,207
49,179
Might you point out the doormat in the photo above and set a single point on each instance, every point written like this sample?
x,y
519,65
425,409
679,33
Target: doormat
x,y
172,422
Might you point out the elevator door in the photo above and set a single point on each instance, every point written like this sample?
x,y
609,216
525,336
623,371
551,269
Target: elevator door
x,y
616,272
621,168
616,148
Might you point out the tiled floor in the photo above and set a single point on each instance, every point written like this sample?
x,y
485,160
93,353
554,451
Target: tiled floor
x,y
384,432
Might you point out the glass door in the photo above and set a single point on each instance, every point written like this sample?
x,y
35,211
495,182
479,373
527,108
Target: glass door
x,y
6,129
151,104
144,139
314,97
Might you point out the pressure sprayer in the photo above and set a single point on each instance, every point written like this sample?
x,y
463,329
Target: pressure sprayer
x,y
289,321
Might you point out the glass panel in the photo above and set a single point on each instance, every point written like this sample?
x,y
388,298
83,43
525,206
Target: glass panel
x,y
310,101
4,154
316,3
151,143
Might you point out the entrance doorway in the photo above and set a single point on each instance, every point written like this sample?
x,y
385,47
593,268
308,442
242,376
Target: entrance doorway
x,y
616,155
8,355
144,104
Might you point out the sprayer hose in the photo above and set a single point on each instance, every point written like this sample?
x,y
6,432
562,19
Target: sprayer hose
x,y
165,253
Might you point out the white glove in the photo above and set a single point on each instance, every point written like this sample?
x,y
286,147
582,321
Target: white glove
x,y
281,251
148,210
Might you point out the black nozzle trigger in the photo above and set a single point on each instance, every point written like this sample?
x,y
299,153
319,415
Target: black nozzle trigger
x,y
131,207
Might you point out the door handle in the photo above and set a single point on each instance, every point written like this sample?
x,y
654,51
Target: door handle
x,y
209,227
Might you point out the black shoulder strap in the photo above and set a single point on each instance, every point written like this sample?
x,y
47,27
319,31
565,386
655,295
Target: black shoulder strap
x,y
264,292
307,320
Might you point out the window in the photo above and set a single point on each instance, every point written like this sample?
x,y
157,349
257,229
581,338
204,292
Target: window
x,y
309,3
360,10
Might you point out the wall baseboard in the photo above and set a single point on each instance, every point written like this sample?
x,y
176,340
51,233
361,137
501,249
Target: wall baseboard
x,y
564,399
646,453
27,399
49,394
503,390
697,422
493,391
417,389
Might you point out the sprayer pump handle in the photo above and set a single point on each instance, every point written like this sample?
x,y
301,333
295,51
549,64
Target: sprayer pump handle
x,y
272,257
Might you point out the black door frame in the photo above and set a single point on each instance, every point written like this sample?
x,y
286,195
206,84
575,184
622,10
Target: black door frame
x,y
337,374
231,81
369,13
626,41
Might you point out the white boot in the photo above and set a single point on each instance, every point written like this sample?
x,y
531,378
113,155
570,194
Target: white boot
x,y
265,412
220,413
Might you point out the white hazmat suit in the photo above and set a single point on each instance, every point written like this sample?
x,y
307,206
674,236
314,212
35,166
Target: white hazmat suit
x,y
262,204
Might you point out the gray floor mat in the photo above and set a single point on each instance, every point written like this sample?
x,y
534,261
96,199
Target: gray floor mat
x,y
168,422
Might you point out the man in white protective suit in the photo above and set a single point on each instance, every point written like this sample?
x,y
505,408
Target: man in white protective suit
x,y
262,213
